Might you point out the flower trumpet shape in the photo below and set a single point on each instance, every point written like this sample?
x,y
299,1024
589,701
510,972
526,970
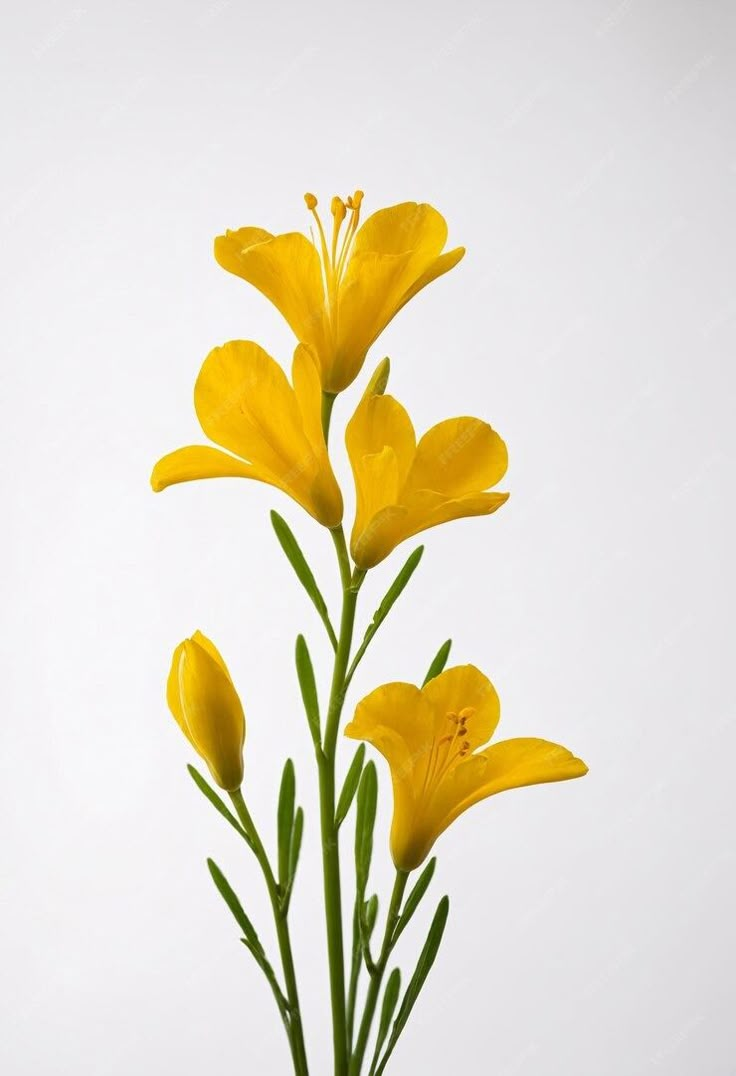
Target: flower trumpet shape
x,y
403,487
339,294
202,698
431,739
245,403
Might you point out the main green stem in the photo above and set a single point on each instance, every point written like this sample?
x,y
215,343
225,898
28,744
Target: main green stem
x,y
330,847
371,1000
296,1032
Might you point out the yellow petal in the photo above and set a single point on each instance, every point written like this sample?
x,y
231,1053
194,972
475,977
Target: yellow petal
x,y
398,721
392,250
173,696
437,268
462,688
194,462
380,441
213,713
409,226
420,512
509,764
324,493
457,457
287,270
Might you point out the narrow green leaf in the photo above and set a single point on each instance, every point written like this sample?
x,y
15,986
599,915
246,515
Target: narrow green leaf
x,y
412,901
350,786
390,998
228,895
296,844
385,607
209,793
297,560
285,819
308,687
370,914
424,965
364,823
438,662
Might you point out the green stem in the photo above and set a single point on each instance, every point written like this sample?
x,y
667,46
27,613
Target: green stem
x,y
330,847
328,402
371,1000
296,1033
355,966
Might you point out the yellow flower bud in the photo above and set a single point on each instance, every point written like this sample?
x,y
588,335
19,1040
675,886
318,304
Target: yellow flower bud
x,y
206,706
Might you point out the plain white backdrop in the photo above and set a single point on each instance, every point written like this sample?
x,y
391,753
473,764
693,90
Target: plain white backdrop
x,y
584,154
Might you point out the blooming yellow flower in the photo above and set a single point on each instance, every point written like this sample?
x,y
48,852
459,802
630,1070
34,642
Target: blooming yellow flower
x,y
339,295
245,403
202,698
430,739
403,487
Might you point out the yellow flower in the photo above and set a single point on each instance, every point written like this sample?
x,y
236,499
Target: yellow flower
x,y
202,698
245,403
339,295
430,739
403,487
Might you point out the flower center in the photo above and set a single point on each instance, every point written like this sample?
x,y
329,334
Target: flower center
x,y
335,255
447,750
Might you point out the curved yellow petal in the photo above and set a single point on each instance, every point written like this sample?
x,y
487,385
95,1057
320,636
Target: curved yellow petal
x,y
457,457
419,512
409,226
245,403
324,492
213,713
392,250
508,764
229,247
380,441
465,689
195,462
287,270
437,268
397,720
173,696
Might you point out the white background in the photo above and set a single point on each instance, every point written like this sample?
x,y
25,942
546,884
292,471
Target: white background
x,y
584,154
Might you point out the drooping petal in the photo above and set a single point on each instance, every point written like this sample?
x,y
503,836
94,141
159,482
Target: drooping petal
x,y
287,270
508,764
195,462
465,688
213,713
457,457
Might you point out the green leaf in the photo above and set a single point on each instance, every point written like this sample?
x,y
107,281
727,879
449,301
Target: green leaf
x,y
412,901
370,914
296,844
385,607
228,895
308,687
209,793
424,965
438,662
287,796
390,998
303,572
350,786
364,823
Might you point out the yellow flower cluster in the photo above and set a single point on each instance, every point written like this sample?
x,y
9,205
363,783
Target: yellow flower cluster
x,y
337,293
